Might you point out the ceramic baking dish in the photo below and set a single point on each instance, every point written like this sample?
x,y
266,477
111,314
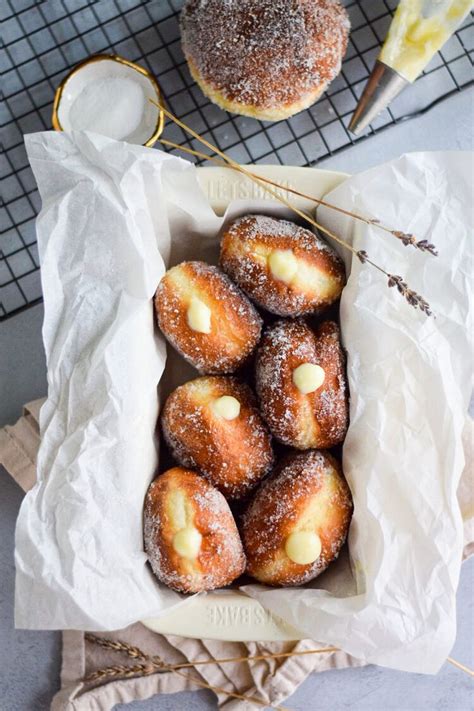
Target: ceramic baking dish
x,y
229,614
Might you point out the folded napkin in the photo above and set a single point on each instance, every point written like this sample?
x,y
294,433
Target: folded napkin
x,y
268,680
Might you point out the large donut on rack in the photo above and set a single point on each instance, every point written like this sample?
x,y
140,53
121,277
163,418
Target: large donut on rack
x,y
190,534
267,59
206,317
283,267
298,520
212,424
301,384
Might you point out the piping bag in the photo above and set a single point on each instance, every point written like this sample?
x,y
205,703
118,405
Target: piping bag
x,y
419,29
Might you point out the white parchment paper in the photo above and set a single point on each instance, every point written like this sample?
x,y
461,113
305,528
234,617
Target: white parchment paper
x,y
113,216
410,384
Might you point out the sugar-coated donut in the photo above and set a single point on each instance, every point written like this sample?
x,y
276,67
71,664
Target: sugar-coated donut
x,y
283,267
298,520
212,424
301,384
267,59
206,317
190,534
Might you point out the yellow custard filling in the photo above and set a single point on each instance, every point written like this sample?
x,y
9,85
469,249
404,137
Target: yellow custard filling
x,y
418,30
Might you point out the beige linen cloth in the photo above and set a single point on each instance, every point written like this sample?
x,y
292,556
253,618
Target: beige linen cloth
x,y
270,680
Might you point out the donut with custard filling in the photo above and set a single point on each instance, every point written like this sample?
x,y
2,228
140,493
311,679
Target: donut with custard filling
x,y
284,268
301,384
298,520
190,534
212,424
206,317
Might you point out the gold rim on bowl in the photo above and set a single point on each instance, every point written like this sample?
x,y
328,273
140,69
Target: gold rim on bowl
x,y
115,58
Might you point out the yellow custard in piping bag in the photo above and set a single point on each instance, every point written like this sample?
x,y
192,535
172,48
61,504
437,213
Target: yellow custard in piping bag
x,y
418,30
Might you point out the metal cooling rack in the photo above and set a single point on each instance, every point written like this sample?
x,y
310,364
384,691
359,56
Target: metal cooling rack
x,y
43,40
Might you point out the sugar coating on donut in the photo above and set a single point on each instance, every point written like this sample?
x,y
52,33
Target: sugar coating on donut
x,y
268,58
307,493
178,500
233,453
315,419
206,317
314,277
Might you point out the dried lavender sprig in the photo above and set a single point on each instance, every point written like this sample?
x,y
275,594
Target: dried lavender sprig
x,y
406,238
363,256
411,296
414,299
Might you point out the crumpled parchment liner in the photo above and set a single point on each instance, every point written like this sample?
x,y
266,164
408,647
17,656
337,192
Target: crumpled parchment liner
x,y
112,215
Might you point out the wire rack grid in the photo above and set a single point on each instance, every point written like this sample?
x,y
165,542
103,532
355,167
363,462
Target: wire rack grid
x,y
43,40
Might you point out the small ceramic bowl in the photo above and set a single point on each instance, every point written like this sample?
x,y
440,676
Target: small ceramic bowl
x,y
102,67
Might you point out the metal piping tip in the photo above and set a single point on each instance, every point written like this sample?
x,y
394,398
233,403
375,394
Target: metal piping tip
x,y
383,85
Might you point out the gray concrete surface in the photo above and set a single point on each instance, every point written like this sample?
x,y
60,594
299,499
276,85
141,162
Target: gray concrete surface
x,y
29,661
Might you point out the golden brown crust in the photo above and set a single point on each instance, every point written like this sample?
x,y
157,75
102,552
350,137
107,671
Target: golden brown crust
x,y
246,246
233,454
277,112
179,499
317,419
235,324
266,58
307,492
